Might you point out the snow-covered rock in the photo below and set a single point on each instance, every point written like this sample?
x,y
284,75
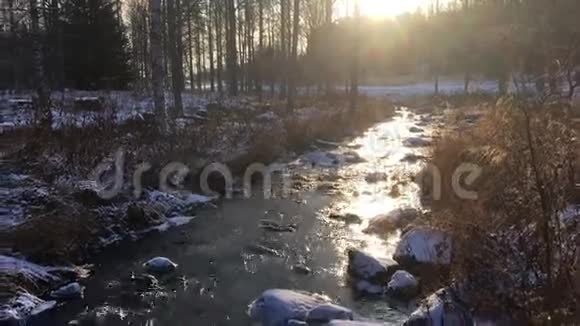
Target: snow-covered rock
x,y
403,285
22,308
362,266
160,265
70,291
391,221
440,309
422,245
327,312
277,307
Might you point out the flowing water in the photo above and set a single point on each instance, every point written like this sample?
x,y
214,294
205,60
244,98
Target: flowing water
x,y
223,265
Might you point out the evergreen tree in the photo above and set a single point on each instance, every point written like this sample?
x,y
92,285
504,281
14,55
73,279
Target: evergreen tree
x,y
96,48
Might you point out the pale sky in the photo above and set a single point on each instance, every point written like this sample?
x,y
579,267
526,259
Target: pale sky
x,y
382,8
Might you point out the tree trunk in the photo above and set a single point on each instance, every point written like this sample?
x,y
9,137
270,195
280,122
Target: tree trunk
x,y
174,54
198,52
260,65
232,55
43,113
355,59
294,74
157,71
219,44
190,52
283,51
210,47
327,72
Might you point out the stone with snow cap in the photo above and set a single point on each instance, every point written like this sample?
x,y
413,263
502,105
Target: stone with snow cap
x,y
70,291
440,309
160,265
277,307
363,266
403,285
24,308
423,245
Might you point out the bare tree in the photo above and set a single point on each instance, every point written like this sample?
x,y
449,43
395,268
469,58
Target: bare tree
x,y
174,36
355,58
43,113
283,44
232,51
157,71
294,57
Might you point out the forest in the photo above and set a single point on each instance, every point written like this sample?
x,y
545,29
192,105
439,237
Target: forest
x,y
289,162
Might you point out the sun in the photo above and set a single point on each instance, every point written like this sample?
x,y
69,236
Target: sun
x,y
389,8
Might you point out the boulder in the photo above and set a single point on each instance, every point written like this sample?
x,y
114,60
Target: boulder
x,y
416,129
160,265
423,245
276,307
141,217
24,309
70,291
362,266
403,285
440,309
391,221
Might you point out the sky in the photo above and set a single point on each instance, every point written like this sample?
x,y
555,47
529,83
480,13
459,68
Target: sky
x,y
382,8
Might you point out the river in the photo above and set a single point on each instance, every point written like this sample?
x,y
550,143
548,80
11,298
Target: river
x,y
222,264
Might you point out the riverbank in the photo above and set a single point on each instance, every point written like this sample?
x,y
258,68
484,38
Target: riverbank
x,y
56,216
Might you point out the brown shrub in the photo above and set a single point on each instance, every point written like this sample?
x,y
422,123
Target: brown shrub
x,y
509,243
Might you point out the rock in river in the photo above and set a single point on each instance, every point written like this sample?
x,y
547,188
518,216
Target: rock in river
x,y
391,221
362,266
440,309
403,285
422,245
70,291
278,307
160,265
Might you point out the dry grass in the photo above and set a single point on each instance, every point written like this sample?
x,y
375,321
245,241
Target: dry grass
x,y
511,234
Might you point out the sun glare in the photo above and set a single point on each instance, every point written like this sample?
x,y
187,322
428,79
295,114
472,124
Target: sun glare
x,y
388,8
